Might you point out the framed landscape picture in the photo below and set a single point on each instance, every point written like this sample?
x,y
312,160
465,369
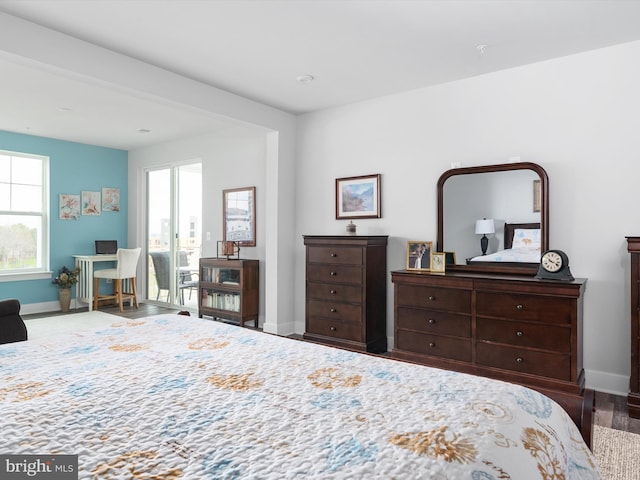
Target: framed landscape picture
x,y
358,197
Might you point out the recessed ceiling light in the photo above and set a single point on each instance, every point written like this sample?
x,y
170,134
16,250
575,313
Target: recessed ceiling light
x,y
304,79
481,48
143,130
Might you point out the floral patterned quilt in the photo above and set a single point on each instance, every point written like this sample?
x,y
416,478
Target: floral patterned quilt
x,y
175,397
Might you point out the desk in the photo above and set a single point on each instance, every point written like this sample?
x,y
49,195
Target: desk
x,y
84,287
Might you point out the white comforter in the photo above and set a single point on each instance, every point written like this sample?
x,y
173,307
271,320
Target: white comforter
x,y
511,255
179,397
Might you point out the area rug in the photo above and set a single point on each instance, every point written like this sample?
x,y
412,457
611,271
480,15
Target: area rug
x,y
63,324
617,452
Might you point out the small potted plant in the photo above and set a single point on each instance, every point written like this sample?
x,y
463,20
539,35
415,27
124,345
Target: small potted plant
x,y
65,280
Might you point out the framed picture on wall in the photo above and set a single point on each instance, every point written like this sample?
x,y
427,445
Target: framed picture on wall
x,y
537,196
91,203
239,216
69,206
419,255
110,199
358,197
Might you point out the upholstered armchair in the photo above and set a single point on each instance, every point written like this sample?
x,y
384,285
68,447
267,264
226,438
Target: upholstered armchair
x,y
12,327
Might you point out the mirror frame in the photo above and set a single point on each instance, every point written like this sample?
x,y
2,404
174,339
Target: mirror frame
x,y
525,268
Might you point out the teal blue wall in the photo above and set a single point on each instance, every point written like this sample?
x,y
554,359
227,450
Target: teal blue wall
x,y
73,167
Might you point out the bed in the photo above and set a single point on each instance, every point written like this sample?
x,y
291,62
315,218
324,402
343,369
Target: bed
x,y
173,397
521,246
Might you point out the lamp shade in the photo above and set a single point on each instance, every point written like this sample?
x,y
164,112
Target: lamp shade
x,y
485,226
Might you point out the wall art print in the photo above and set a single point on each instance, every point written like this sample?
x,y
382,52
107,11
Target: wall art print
x,y
69,206
90,203
358,197
110,199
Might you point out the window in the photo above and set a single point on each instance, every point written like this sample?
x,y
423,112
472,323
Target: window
x,y
24,214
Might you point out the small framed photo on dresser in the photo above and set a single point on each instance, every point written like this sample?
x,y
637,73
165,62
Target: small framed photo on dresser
x,y
438,262
419,255
449,258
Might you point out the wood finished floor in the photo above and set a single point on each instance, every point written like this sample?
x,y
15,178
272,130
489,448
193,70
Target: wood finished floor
x,y
611,410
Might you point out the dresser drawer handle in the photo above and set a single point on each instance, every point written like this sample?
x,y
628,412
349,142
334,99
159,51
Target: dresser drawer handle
x,y
333,274
432,298
520,360
333,329
332,292
432,321
333,310
432,344
519,333
519,307
334,255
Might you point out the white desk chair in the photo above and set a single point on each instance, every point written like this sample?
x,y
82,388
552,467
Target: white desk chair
x,y
125,269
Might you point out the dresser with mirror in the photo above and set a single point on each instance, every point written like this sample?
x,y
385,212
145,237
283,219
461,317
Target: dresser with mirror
x,y
493,317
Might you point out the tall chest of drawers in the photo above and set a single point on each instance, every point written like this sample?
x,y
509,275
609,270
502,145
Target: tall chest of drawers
x,y
346,285
633,399
512,328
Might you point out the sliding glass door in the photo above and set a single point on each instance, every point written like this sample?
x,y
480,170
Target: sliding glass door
x,y
174,234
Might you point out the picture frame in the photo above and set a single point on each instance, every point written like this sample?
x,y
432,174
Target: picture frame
x,y
358,197
69,206
449,258
110,199
419,255
239,216
91,203
537,196
438,262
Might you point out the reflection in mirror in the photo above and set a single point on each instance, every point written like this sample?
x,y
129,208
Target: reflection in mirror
x,y
507,194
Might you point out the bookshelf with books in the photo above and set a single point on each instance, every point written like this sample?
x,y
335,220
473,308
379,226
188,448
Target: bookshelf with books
x,y
228,289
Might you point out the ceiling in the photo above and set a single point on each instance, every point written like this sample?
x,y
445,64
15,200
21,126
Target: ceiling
x,y
355,50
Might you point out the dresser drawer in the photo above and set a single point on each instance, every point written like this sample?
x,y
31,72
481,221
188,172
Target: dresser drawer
x,y
335,328
446,347
525,307
434,322
335,255
334,274
340,311
552,365
335,292
548,337
434,298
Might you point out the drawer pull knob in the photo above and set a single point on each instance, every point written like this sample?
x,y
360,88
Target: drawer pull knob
x,y
333,310
519,307
432,321
334,254
432,344
431,298
520,360
519,333
333,274
333,329
332,292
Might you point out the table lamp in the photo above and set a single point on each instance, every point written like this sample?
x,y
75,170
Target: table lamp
x,y
483,227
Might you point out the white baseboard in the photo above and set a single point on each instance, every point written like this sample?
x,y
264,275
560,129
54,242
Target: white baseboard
x,y
44,307
607,382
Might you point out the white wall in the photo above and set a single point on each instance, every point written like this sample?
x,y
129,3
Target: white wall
x,y
578,117
228,161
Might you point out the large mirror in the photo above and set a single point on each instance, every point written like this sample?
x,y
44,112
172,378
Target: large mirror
x,y
501,209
